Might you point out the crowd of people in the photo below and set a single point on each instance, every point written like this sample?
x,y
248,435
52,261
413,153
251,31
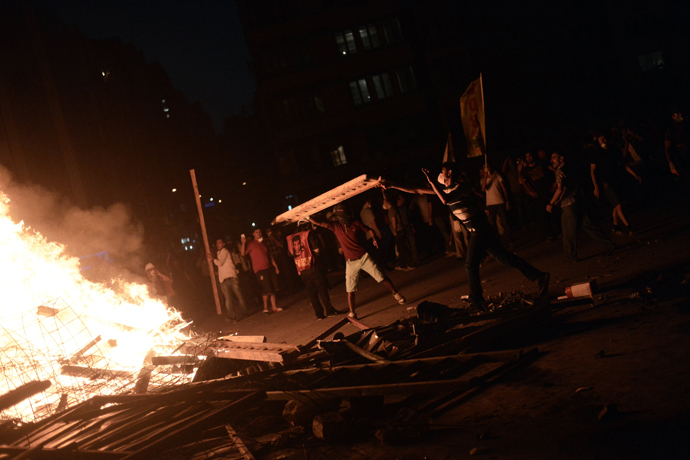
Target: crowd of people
x,y
467,212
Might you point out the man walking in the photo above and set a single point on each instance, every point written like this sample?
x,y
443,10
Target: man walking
x,y
229,283
351,235
457,194
261,262
565,196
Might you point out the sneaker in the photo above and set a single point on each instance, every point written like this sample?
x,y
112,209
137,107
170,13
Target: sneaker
x,y
630,229
352,315
276,310
399,297
543,282
617,230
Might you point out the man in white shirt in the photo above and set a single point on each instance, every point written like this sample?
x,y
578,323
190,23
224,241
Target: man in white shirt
x,y
229,284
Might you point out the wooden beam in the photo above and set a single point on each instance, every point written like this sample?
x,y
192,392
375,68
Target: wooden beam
x,y
239,443
312,343
326,200
23,392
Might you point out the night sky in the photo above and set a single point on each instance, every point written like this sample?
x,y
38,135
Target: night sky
x,y
199,43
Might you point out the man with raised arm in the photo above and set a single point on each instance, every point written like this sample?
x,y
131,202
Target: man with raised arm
x,y
458,195
351,236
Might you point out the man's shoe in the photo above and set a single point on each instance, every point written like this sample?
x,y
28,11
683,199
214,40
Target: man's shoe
x,y
352,315
617,230
543,281
399,297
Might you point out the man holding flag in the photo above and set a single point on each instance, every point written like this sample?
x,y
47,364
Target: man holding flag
x,y
458,195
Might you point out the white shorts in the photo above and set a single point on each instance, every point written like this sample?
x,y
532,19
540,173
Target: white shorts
x,y
352,268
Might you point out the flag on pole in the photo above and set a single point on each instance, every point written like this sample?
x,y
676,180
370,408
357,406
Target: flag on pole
x,y
448,155
472,114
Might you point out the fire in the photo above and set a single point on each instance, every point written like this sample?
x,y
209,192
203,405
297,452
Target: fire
x,y
84,337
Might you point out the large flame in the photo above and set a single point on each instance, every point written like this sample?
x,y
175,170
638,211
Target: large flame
x,y
82,336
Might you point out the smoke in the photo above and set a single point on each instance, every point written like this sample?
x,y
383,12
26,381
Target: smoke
x,y
108,241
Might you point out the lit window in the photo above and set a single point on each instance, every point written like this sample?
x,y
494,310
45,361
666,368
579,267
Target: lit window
x,y
383,85
345,41
392,31
406,80
369,36
338,156
360,91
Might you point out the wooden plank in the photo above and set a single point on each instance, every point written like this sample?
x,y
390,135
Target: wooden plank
x,y
23,392
312,343
58,454
180,430
358,323
372,390
239,443
326,200
244,338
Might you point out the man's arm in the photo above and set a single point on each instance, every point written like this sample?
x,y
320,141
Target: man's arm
x,y
556,197
633,173
434,187
320,224
421,191
667,152
592,169
505,194
222,259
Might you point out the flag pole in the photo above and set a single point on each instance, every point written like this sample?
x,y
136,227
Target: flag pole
x,y
207,249
481,88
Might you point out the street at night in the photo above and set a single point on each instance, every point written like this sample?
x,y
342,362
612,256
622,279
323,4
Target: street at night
x,y
358,229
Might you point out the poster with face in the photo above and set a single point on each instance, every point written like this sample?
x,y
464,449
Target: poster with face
x,y
298,246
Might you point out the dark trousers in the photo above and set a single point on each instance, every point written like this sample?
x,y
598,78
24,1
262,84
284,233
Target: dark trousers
x,y
500,211
485,240
542,216
317,288
569,220
404,252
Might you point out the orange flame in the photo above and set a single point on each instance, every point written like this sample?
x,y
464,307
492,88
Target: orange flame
x,y
82,336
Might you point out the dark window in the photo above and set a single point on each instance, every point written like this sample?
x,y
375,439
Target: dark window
x,y
383,86
406,80
392,31
651,61
360,91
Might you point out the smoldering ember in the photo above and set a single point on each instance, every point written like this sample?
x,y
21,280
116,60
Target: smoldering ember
x,y
439,230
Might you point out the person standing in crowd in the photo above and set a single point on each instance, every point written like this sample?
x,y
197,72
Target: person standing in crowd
x,y
537,179
160,285
517,195
496,200
565,196
304,248
350,234
676,148
236,309
606,170
276,247
261,262
399,230
458,195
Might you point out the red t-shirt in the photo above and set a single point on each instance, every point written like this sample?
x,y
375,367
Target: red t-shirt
x,y
351,238
259,254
